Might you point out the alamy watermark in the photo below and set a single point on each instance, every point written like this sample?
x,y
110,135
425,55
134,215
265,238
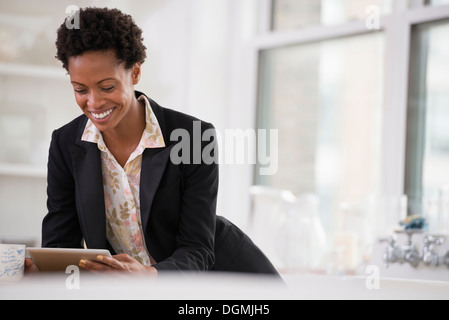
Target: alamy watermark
x,y
73,280
73,17
372,21
234,146
372,281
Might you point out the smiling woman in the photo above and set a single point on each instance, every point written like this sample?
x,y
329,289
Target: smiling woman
x,y
111,182
104,91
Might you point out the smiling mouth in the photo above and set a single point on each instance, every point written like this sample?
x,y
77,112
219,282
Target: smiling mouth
x,y
103,115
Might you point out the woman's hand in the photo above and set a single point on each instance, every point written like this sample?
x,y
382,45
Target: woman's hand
x,y
30,267
121,263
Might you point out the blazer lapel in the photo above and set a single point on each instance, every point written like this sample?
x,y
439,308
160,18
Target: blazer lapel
x,y
154,162
90,193
89,188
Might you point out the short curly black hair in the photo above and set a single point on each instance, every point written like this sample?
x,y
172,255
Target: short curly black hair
x,y
101,29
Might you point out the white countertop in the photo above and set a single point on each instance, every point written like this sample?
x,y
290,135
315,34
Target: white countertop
x,y
215,286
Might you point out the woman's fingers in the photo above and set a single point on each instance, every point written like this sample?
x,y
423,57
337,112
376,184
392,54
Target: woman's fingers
x,y
105,264
113,262
121,262
30,267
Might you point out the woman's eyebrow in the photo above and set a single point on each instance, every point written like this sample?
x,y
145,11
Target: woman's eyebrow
x,y
75,82
105,80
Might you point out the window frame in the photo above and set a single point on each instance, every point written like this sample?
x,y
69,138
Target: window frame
x,y
396,27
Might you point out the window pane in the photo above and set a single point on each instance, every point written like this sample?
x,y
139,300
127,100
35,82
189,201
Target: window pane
x,y
436,2
295,14
428,114
325,98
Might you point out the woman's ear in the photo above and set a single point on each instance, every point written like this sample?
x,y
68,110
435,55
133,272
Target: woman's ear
x,y
136,73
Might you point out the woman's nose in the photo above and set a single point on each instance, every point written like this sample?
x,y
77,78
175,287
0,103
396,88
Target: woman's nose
x,y
94,100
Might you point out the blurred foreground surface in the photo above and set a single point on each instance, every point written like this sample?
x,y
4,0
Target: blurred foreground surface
x,y
216,286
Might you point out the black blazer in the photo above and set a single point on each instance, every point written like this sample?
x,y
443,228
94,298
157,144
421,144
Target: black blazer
x,y
177,201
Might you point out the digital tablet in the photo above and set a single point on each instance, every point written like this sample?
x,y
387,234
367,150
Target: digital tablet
x,y
58,259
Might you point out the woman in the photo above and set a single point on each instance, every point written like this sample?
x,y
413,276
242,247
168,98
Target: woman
x,y
112,179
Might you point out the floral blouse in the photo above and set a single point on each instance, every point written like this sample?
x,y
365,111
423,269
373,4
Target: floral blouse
x,y
122,189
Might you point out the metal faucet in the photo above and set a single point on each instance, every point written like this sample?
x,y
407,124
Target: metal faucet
x,y
446,259
430,257
407,253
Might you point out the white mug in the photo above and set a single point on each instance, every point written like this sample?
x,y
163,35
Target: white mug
x,y
12,262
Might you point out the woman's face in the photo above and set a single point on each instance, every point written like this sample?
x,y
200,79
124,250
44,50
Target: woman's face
x,y
104,88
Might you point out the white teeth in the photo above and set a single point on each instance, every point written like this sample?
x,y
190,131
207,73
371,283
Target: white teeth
x,y
102,115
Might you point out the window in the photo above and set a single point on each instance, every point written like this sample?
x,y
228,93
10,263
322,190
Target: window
x,y
325,98
360,111
321,84
427,172
436,2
